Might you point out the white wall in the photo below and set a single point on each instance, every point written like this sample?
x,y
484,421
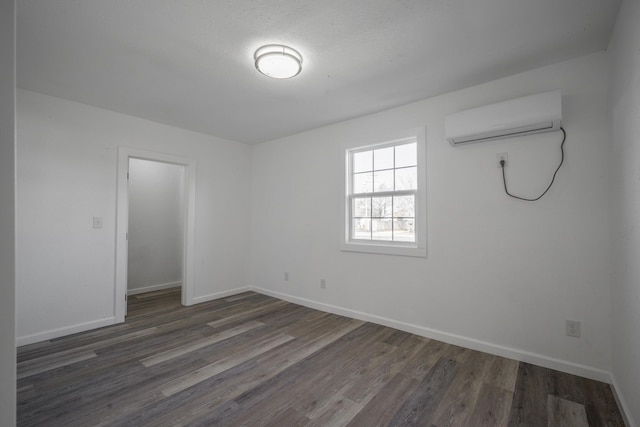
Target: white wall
x,y
7,213
501,275
67,154
625,200
156,200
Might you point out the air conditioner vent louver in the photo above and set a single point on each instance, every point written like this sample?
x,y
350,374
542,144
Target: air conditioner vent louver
x,y
516,117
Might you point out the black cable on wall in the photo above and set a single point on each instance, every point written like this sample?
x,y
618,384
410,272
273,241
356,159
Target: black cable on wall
x,y
504,178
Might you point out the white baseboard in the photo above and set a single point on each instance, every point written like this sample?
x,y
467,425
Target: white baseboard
x,y
152,288
508,352
622,404
94,324
218,295
67,330
498,350
512,353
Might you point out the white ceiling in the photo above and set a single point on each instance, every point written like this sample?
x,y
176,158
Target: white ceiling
x,y
189,63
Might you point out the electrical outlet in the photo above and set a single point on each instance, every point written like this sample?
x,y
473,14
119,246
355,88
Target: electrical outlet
x,y
573,328
286,276
503,156
323,283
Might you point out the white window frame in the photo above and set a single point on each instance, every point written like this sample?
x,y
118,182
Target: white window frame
x,y
414,249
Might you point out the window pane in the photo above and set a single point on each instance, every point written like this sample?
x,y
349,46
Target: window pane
x,y
362,161
381,229
383,159
362,228
381,207
363,182
383,181
404,206
382,195
406,155
407,178
362,207
404,230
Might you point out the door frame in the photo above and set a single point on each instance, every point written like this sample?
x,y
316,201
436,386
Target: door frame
x,y
122,225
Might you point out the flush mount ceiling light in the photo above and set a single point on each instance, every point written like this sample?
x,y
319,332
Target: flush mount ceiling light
x,y
278,61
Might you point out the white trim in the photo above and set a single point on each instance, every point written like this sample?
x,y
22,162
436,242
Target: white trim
x,y
94,324
383,248
67,330
622,405
417,249
152,288
222,294
122,225
498,350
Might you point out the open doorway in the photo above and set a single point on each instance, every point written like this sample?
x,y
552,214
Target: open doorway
x,y
156,228
154,249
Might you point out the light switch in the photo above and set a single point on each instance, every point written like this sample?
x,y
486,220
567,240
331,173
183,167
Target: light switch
x,y
97,222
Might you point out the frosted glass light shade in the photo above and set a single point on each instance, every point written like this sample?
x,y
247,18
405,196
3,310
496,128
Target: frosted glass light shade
x,y
278,61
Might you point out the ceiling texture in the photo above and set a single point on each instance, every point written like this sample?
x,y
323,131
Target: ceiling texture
x,y
189,63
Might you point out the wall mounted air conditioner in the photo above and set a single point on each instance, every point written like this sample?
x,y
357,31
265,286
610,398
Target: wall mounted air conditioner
x,y
516,117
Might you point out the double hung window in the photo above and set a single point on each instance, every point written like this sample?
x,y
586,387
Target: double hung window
x,y
383,197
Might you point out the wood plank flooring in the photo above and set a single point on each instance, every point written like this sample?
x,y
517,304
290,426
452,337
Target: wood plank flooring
x,y
257,361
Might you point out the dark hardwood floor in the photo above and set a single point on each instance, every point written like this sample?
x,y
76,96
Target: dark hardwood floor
x,y
258,361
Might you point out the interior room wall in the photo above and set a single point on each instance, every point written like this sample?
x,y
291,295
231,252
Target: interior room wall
x,y
501,275
156,225
7,213
66,160
625,202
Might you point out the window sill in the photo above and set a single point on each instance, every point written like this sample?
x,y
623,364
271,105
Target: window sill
x,y
384,249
